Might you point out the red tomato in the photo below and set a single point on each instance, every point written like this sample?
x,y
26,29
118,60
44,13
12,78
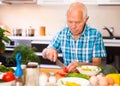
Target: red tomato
x,y
8,76
63,72
65,69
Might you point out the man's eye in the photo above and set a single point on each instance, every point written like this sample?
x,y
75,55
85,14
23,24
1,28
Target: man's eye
x,y
77,22
70,21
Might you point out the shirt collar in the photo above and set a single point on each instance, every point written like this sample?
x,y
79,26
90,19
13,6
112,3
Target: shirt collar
x,y
83,33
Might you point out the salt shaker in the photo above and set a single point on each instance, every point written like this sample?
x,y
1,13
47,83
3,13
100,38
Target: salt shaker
x,y
52,78
32,74
43,79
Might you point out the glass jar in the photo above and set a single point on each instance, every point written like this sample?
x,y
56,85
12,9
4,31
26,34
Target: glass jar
x,y
32,74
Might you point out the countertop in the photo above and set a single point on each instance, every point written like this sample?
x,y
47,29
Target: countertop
x,y
46,39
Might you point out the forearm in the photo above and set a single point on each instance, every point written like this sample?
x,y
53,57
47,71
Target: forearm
x,y
90,63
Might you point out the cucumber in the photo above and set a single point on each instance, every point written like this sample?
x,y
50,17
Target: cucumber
x,y
107,69
74,74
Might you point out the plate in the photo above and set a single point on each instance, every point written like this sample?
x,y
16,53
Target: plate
x,y
89,70
80,81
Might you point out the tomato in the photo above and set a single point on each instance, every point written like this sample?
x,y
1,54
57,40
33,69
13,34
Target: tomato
x,y
8,76
63,72
65,69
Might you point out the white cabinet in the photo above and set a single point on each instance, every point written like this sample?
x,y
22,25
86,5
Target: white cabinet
x,y
108,2
92,2
54,2
64,2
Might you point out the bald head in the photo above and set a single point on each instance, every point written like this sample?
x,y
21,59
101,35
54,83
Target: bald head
x,y
78,7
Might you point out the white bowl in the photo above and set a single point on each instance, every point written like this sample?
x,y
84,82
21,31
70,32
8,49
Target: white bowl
x,y
11,83
89,70
80,81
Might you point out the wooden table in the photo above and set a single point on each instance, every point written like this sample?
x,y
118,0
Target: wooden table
x,y
48,70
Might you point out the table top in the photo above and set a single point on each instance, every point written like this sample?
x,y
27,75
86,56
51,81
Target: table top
x,y
48,70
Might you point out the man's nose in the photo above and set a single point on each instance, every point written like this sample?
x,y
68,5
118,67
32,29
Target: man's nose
x,y
73,25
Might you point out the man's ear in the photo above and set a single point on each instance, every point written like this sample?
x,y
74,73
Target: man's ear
x,y
86,18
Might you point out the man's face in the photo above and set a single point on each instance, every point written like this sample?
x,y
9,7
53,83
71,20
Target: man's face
x,y
75,22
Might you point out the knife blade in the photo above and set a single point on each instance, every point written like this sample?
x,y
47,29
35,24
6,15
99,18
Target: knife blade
x,y
59,63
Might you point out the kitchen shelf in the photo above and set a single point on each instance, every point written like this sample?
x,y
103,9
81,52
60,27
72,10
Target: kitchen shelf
x,y
112,42
45,38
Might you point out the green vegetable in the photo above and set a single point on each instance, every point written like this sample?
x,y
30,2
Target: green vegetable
x,y
77,75
107,69
1,80
5,69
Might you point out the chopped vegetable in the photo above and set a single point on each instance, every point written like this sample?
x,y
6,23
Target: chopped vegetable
x,y
1,80
62,72
74,74
89,68
67,83
5,69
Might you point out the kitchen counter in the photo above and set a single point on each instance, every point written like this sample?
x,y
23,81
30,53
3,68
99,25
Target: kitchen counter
x,y
46,40
112,42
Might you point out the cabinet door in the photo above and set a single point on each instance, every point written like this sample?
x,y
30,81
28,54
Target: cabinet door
x,y
108,2
53,2
61,2
88,1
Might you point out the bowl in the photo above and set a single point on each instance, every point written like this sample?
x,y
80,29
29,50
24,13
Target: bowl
x,y
89,70
72,81
10,83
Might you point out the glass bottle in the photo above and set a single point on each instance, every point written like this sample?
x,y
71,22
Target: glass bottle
x,y
32,74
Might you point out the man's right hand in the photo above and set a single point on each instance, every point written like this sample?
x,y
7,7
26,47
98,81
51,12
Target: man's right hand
x,y
50,53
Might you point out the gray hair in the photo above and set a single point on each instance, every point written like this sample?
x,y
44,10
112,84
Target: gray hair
x,y
80,7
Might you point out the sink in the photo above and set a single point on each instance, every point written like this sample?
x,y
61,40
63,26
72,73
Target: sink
x,y
108,37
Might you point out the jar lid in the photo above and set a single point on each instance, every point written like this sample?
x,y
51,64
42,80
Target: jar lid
x,y
32,65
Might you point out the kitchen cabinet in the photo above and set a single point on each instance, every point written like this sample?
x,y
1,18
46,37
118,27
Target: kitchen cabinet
x,y
64,2
113,56
92,2
108,2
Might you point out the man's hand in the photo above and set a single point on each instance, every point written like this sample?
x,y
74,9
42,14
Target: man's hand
x,y
72,66
50,53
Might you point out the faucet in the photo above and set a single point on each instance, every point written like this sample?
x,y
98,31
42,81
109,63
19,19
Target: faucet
x,y
110,31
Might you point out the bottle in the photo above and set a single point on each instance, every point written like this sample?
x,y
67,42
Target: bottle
x,y
18,71
32,74
52,78
19,81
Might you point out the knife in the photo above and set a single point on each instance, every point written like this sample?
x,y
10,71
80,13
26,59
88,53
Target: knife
x,y
59,63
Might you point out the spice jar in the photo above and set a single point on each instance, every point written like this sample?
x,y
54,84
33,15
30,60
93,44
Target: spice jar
x,y
32,74
52,78
42,31
30,31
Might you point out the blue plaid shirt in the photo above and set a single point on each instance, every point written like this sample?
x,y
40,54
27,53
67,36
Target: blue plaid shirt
x,y
90,44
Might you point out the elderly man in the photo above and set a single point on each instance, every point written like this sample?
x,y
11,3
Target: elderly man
x,y
79,43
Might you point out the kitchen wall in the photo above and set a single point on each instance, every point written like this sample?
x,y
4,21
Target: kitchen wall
x,y
54,17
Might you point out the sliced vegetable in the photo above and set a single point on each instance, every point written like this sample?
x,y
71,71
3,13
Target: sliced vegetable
x,y
62,72
74,74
